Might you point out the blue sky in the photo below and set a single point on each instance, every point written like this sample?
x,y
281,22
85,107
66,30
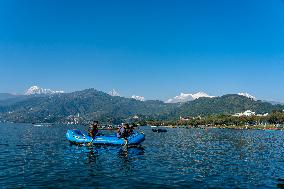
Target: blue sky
x,y
156,49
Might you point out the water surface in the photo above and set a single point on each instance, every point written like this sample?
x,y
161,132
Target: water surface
x,y
34,157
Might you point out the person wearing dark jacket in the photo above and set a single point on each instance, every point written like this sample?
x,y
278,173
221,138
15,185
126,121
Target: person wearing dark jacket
x,y
93,129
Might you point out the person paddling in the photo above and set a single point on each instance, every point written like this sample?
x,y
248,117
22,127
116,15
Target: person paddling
x,y
93,129
131,130
122,132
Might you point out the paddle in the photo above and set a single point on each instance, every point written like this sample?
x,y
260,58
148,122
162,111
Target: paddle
x,y
92,128
125,142
90,143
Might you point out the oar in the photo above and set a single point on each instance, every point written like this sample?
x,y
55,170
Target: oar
x,y
90,143
125,143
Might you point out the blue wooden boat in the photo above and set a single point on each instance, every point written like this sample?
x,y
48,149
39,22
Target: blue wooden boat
x,y
79,137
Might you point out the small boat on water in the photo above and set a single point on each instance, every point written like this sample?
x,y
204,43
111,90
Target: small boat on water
x,y
37,125
78,137
108,128
160,130
42,125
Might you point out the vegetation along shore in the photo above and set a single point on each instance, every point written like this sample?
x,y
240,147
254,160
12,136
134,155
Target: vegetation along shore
x,y
272,121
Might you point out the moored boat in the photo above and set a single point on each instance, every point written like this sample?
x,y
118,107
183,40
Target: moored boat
x,y
160,130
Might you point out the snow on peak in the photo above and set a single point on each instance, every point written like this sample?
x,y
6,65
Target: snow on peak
x,y
113,92
37,90
201,94
247,95
141,98
185,97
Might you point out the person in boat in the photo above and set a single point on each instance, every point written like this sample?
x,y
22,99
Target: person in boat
x,y
130,130
93,129
127,130
124,131
120,131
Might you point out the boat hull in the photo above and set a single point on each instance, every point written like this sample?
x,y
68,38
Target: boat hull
x,y
78,137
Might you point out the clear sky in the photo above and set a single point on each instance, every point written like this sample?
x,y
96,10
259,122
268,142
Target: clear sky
x,y
152,48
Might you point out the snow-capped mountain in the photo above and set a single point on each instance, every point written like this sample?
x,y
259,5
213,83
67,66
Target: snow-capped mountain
x,y
141,98
113,92
37,90
185,97
247,95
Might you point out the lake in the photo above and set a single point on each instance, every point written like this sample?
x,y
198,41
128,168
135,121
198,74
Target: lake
x,y
34,157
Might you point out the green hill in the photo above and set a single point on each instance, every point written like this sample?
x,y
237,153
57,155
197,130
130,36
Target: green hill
x,y
91,104
227,104
88,104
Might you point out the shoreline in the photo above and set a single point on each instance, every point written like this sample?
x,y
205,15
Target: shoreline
x,y
270,127
242,127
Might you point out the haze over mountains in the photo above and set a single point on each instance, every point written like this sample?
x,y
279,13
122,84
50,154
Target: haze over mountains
x,y
41,105
5,96
181,98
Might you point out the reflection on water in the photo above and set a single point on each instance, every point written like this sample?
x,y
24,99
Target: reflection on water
x,y
92,152
31,157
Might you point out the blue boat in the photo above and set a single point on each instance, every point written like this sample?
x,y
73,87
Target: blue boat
x,y
79,137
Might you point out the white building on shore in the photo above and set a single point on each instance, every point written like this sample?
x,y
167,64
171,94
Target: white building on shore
x,y
249,113
246,113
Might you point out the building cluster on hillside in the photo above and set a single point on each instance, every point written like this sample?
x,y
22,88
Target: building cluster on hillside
x,y
246,113
74,119
187,118
249,113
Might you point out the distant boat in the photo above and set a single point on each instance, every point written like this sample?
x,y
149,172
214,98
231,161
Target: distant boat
x,y
42,125
109,127
160,130
38,125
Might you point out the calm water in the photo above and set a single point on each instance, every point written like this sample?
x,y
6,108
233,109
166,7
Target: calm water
x,y
34,157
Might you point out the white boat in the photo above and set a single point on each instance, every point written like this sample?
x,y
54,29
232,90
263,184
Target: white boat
x,y
38,125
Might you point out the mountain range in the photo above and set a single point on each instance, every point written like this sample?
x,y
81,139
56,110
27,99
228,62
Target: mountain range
x,y
90,104
39,91
7,99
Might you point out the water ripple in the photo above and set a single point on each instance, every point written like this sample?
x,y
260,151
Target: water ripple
x,y
33,157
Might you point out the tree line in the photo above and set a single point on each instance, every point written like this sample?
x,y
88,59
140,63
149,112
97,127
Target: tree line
x,y
276,117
